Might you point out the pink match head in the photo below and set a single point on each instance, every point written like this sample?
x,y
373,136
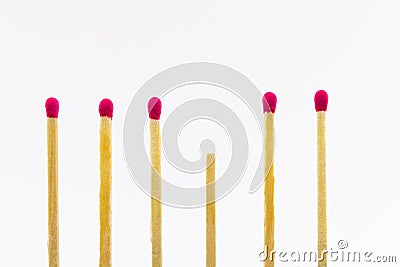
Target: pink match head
x,y
321,100
106,108
269,102
154,108
52,107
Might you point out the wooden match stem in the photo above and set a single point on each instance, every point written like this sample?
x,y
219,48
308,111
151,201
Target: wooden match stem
x,y
211,258
269,183
52,171
105,190
321,170
156,205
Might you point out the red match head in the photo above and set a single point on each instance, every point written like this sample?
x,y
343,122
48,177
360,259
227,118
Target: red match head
x,y
106,108
269,102
52,107
154,108
321,100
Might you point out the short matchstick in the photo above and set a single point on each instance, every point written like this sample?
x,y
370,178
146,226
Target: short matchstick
x,y
52,107
154,109
269,105
211,258
106,114
321,103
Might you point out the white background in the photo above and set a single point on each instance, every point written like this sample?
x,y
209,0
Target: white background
x,y
83,51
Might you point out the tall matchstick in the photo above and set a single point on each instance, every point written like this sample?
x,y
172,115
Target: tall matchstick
x,y
154,109
106,113
211,259
52,107
321,103
269,105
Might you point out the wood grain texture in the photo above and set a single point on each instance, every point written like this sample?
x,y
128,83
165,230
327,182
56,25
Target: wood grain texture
x,y
52,173
105,190
156,193
211,245
321,172
269,184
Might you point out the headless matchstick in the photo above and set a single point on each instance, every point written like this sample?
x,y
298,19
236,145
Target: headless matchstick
x,y
52,107
154,109
106,114
211,259
269,105
321,103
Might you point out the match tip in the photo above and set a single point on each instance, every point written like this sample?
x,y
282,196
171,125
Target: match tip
x,y
154,108
269,102
321,100
52,107
106,108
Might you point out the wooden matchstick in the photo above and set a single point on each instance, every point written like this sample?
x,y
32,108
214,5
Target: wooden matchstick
x,y
52,107
211,258
154,109
106,114
321,103
269,106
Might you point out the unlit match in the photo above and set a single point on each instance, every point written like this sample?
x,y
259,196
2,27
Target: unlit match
x,y
52,108
321,104
269,105
106,113
154,109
